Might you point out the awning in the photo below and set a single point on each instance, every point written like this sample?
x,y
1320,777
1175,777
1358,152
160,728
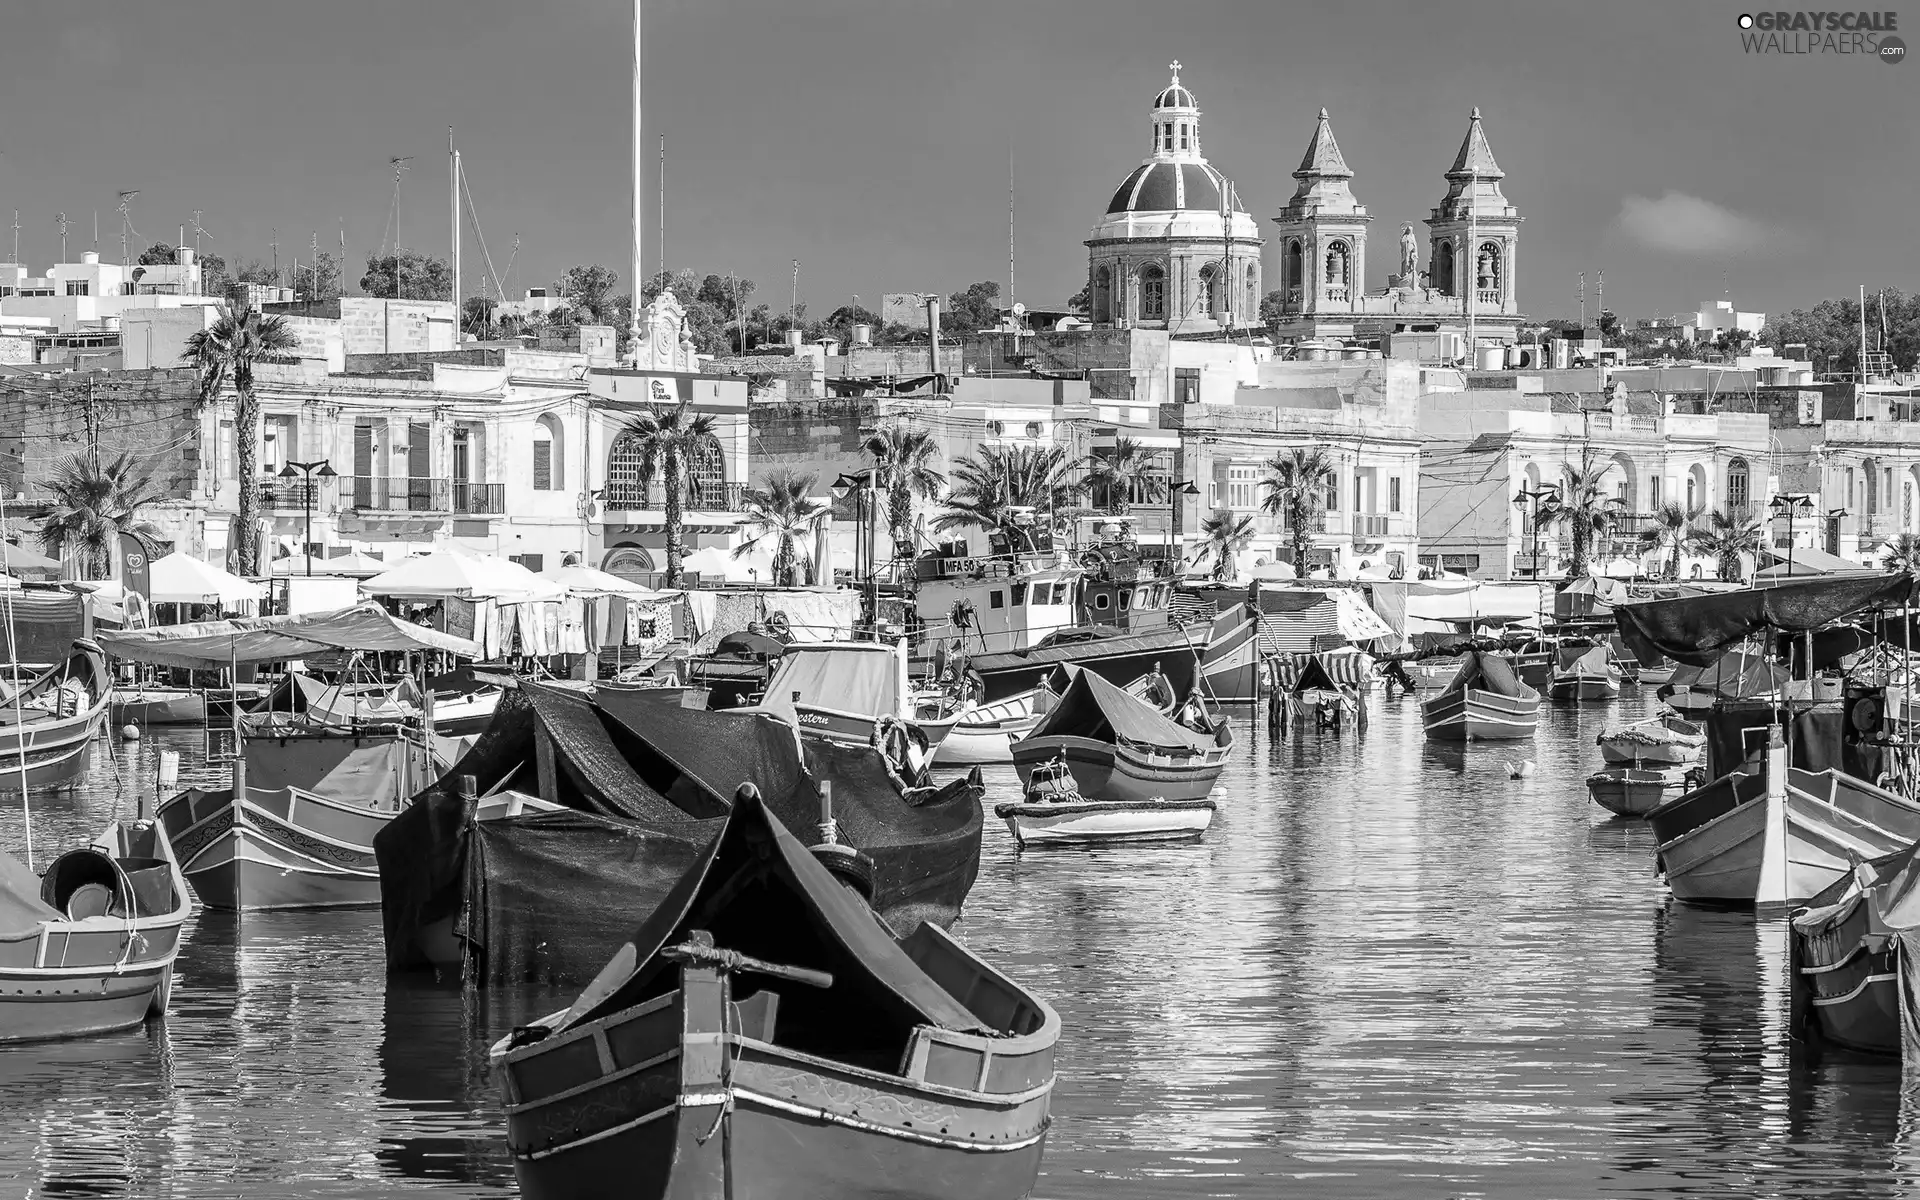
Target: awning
x,y
1809,561
1695,629
180,578
589,581
452,570
210,644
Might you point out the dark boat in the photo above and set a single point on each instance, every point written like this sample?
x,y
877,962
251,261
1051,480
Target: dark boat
x,y
1584,673
1636,791
548,893
1485,702
1844,957
1119,747
763,1034
89,947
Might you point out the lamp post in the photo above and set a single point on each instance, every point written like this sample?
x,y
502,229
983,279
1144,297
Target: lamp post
x,y
1784,505
1521,499
1177,494
295,470
861,484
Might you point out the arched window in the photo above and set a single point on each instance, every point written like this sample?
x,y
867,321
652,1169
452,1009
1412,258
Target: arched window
x,y
1210,287
624,462
1183,135
1103,295
707,478
549,463
1293,274
1167,136
1443,268
1250,310
1337,265
1737,484
1153,294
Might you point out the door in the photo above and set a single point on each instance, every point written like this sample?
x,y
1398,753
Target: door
x,y
362,465
419,464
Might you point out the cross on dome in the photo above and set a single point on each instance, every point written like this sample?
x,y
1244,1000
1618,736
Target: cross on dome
x,y
1175,65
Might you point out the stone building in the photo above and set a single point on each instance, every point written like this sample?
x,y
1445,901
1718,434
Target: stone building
x,y
1175,250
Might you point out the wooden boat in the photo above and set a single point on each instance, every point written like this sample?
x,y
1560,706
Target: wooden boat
x,y
1484,702
1054,813
843,691
1119,747
985,733
1636,791
60,711
1584,673
302,838
1844,957
1114,655
1660,675
89,947
1230,663
1739,674
1732,843
151,704
1661,741
762,1034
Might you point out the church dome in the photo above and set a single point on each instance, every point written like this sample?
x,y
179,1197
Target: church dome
x,y
1176,96
1165,186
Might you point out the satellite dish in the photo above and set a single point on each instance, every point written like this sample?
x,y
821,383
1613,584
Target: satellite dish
x,y
1019,309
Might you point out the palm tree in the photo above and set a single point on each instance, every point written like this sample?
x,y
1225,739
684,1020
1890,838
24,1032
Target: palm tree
x,y
1121,472
1296,485
1903,553
668,443
903,459
1672,528
92,507
1725,539
1582,509
992,487
1224,536
230,348
785,514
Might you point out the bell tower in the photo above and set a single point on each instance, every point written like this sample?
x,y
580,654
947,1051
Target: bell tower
x,y
1474,231
1323,233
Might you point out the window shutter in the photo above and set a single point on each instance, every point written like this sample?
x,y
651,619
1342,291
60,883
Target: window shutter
x,y
543,466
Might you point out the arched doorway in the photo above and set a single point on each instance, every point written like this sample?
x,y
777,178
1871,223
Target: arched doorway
x,y
1699,497
1443,268
630,562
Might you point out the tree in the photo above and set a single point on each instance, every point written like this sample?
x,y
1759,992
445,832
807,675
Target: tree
x,y
158,255
975,307
254,270
318,280
476,315
903,457
588,292
1223,537
1272,306
214,279
230,348
999,488
1081,302
407,275
1296,486
668,442
1123,473
1671,530
785,514
1582,509
1831,330
1725,539
1903,553
92,507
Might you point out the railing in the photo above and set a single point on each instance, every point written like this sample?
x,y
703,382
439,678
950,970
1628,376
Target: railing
x,y
297,494
1486,296
418,493
705,497
1374,525
1336,293
1315,524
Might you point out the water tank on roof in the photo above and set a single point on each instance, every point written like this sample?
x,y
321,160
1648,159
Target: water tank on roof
x,y
793,338
1353,352
1311,351
1489,358
863,335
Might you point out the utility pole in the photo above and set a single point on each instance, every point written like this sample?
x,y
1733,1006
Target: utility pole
x,y
16,235
276,252
61,219
93,429
453,213
633,321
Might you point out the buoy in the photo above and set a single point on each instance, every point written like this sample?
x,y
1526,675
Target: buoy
x,y
130,732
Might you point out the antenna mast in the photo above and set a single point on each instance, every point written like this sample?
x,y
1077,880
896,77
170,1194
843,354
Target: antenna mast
x,y
61,220
16,235
1010,243
663,209
126,225
633,320
453,213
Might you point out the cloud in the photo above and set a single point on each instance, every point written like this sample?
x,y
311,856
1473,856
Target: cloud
x,y
1684,224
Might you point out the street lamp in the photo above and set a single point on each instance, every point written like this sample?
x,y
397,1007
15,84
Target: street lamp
x,y
1176,496
862,485
1784,505
1551,492
294,470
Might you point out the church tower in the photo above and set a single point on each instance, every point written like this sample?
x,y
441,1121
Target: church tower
x,y
1474,232
1323,237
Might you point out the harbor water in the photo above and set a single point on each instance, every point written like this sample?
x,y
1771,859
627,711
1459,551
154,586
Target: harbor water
x,y
1389,971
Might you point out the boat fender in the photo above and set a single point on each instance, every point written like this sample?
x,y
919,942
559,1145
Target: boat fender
x,y
849,866
779,624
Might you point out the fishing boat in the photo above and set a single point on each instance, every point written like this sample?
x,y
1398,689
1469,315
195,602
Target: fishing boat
x,y
1661,741
89,947
1119,747
985,733
302,834
1584,673
762,1034
1733,843
1659,675
1055,813
49,723
851,692
1636,791
1739,674
1484,702
1844,956
151,704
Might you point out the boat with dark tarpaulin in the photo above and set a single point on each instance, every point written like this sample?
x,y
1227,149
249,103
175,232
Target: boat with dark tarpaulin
x,y
1119,747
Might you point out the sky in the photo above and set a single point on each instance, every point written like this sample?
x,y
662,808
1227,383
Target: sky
x,y
871,139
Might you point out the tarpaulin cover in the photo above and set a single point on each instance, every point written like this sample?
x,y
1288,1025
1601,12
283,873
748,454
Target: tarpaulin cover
x,y
1119,657
1090,707
21,909
213,644
344,766
754,888
1582,660
1488,673
854,677
639,761
1737,732
45,625
1739,674
1472,601
1898,901
1694,629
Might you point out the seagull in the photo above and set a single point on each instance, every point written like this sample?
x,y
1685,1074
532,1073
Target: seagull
x,y
1520,770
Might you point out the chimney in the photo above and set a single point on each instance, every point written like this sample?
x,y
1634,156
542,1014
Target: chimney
x,y
933,339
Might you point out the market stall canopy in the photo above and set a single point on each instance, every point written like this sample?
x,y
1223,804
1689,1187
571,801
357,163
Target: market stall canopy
x,y
1471,601
1808,562
454,571
1695,629
211,644
18,560
590,581
356,564
181,578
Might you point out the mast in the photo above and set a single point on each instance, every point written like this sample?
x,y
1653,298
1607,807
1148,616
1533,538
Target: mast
x,y
1863,334
633,322
1011,316
453,217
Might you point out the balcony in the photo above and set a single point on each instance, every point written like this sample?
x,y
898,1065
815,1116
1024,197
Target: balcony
x,y
422,494
1488,296
707,497
1370,527
295,495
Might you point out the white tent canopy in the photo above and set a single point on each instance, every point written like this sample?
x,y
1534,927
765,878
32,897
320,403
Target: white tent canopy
x,y
590,581
209,644
454,571
356,564
180,578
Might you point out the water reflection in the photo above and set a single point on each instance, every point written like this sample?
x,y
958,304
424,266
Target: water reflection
x,y
1389,971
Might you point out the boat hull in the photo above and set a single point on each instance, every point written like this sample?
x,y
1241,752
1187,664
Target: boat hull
x,y
1069,824
1584,688
276,851
149,706
1104,771
986,733
38,1008
1846,983
1478,715
1633,792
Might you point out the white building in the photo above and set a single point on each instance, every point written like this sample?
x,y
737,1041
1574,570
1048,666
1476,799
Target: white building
x,y
1716,317
94,295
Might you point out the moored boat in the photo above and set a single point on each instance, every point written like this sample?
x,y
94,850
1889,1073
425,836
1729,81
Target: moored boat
x,y
1659,741
985,733
1484,702
48,727
151,704
856,1062
1844,957
89,947
841,691
1119,747
1054,813
1584,673
1636,791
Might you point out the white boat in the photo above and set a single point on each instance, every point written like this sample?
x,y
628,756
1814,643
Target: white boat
x,y
986,733
852,693
150,705
1055,813
1661,741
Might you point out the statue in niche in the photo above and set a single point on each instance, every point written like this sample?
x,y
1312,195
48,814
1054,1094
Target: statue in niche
x,y
1409,255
